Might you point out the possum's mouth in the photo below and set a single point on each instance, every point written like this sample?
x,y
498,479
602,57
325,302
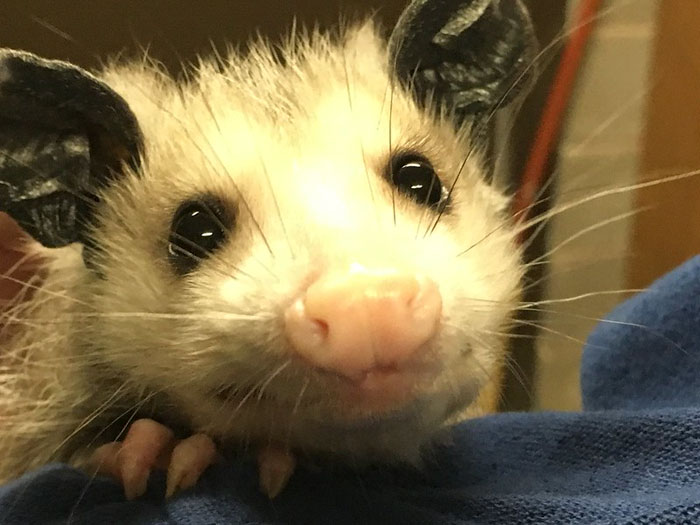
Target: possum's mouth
x,y
378,393
372,398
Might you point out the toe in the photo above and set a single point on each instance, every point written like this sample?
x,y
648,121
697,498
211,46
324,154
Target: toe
x,y
190,458
145,443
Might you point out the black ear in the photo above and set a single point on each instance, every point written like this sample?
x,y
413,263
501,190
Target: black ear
x,y
472,56
63,135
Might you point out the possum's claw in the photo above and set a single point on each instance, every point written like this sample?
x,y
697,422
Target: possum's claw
x,y
190,458
149,445
275,467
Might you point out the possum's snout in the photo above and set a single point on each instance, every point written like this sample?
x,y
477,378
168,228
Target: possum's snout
x,y
364,324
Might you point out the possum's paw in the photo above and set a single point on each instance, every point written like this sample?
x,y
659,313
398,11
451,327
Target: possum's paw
x,y
148,445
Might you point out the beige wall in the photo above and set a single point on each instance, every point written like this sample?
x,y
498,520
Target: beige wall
x,y
601,149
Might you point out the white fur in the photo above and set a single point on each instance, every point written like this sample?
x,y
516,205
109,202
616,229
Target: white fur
x,y
312,139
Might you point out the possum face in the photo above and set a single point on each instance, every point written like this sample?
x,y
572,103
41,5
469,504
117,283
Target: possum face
x,y
305,256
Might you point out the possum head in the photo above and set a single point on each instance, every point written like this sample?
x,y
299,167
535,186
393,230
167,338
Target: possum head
x,y
299,248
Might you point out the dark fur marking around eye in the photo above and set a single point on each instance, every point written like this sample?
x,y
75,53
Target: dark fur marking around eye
x,y
414,176
199,227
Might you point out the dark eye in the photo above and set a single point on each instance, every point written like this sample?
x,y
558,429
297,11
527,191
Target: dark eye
x,y
414,176
199,227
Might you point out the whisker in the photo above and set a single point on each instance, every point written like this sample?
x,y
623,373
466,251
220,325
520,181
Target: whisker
x,y
582,296
605,193
295,409
275,201
359,138
194,143
391,150
44,290
90,418
615,322
272,376
593,227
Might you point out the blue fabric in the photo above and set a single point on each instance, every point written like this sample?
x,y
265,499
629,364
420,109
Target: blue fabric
x,y
633,456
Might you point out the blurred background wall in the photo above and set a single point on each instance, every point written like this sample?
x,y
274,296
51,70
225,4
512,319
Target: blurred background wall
x,y
601,149
174,31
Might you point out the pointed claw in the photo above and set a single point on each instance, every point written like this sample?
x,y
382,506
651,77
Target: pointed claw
x,y
189,460
134,478
175,482
275,468
145,442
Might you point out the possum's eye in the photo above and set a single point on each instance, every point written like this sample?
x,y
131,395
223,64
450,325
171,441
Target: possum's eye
x,y
416,177
198,228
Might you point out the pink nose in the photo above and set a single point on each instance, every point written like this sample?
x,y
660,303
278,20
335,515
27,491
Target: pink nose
x,y
363,320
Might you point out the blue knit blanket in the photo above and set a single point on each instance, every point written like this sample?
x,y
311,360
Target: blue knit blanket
x,y
632,455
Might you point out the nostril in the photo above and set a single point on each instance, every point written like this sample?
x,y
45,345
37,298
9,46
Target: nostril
x,y
321,328
413,301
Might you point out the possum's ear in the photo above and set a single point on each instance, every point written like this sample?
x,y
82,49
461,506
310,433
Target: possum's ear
x,y
472,56
63,135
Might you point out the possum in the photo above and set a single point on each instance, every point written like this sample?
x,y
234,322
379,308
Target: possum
x,y
294,251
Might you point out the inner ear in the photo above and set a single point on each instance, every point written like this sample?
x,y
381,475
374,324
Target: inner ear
x,y
469,56
64,135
